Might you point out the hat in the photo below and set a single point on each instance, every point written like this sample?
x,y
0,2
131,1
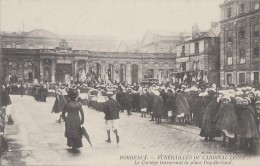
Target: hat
x,y
193,88
257,102
109,93
239,98
249,88
203,94
251,92
248,99
156,92
73,93
226,97
239,93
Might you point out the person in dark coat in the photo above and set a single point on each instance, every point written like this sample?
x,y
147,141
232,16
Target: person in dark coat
x,y
22,90
198,114
150,97
247,125
128,101
120,96
208,129
170,106
226,120
164,96
182,106
5,98
143,102
73,120
158,106
189,98
5,102
43,93
135,96
111,110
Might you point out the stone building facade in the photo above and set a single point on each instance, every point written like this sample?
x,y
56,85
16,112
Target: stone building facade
x,y
56,61
240,33
197,59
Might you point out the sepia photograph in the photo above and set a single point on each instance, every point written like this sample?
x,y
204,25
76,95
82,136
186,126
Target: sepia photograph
x,y
129,82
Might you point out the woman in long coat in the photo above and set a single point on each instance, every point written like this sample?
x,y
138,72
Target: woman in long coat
x,y
170,106
158,106
226,120
143,102
182,106
73,120
208,129
247,125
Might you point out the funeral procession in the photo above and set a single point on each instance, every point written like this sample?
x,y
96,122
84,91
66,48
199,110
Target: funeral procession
x,y
129,82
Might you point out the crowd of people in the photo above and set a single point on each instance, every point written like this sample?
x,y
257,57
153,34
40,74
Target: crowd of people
x,y
231,113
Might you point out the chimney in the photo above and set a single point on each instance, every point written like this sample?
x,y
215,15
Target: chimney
x,y
195,31
214,24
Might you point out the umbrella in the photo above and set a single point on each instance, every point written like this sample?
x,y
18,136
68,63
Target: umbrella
x,y
85,134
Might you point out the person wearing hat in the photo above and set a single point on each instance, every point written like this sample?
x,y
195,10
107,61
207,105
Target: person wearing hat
x,y
111,110
182,107
170,106
226,120
73,120
158,106
164,96
59,104
247,125
252,97
208,129
143,102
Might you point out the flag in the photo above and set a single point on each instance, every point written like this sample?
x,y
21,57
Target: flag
x,y
83,75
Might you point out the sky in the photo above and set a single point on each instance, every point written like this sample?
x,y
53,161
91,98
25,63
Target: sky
x,y
122,19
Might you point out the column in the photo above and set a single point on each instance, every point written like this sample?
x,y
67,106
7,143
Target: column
x,y
53,70
75,70
234,79
248,77
140,72
103,67
156,71
41,71
76,66
87,66
128,72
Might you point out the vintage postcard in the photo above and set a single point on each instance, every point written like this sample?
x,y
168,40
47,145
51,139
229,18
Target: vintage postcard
x,y
130,82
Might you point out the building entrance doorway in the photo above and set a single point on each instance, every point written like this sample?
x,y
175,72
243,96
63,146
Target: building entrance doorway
x,y
63,73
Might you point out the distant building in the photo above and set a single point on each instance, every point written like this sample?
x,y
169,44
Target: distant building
x,y
43,39
198,58
154,42
240,33
42,56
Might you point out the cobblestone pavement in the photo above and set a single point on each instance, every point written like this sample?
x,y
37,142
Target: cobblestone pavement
x,y
37,139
